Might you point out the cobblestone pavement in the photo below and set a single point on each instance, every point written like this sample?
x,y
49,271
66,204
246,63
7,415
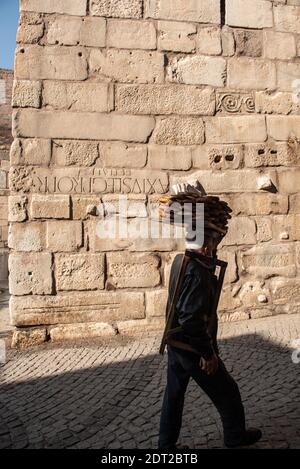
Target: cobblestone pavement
x,y
109,395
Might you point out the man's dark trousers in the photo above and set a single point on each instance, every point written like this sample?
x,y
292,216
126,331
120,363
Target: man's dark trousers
x,y
221,388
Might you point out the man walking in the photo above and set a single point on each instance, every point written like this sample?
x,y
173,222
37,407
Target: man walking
x,y
199,330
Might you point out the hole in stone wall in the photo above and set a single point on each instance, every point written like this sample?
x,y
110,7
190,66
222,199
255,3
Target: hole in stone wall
x,y
217,158
229,157
261,152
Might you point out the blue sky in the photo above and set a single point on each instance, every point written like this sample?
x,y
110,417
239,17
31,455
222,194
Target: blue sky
x,y
9,17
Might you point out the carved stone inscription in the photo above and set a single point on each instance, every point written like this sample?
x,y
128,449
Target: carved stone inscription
x,y
87,181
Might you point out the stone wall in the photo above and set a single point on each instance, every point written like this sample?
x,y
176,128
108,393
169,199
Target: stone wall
x,y
130,96
6,82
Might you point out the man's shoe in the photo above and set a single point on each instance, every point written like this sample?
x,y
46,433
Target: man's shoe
x,y
251,436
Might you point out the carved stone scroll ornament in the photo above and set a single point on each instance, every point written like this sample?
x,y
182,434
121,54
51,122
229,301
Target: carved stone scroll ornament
x,y
235,103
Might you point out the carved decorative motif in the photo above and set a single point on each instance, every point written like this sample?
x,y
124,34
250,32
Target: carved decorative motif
x,y
20,179
235,103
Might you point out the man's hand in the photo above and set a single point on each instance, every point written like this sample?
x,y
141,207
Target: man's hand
x,y
209,366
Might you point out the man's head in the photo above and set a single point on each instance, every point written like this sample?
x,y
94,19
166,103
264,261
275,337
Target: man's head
x,y
209,246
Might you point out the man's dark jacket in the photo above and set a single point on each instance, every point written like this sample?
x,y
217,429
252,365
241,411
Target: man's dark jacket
x,y
194,304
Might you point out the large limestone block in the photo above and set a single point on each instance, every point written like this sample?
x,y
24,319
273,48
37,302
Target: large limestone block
x,y
49,206
93,126
90,97
33,152
285,291
209,40
283,127
248,73
289,181
63,235
77,307
128,34
27,93
276,103
30,31
258,204
138,234
83,206
271,154
123,155
26,236
117,8
165,99
127,206
237,129
249,13
198,70
156,244
280,46
79,271
228,42
178,131
101,243
270,260
287,77
127,66
70,31
228,256
294,203
81,331
263,229
30,273
169,157
254,293
248,42
133,270
200,11
233,316
168,261
50,63
218,157
176,37
29,337
241,230
228,299
17,208
131,328
286,227
64,30
222,182
70,7
287,18
73,152
156,301
93,32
